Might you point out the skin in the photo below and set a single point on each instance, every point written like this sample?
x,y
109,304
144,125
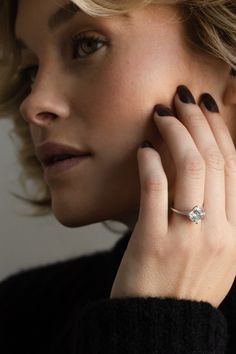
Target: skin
x,y
104,104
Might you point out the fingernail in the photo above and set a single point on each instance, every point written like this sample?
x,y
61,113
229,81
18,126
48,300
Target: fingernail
x,y
209,103
185,94
233,72
146,144
163,110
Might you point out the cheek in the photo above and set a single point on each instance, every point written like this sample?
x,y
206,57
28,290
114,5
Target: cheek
x,y
131,84
118,100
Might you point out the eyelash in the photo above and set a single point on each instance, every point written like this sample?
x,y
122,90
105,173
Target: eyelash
x,y
76,41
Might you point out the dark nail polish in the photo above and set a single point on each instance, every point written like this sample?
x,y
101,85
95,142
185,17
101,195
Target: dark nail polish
x,y
163,110
233,72
209,103
146,144
185,94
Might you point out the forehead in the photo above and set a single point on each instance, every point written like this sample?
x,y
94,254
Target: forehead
x,y
57,12
31,15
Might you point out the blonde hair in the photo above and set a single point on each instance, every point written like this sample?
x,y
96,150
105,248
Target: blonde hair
x,y
210,27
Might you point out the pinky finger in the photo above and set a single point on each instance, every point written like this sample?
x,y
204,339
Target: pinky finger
x,y
153,213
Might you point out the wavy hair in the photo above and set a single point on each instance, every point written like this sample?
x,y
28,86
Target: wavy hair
x,y
210,28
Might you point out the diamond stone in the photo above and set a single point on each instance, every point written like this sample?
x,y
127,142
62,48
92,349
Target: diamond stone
x,y
196,214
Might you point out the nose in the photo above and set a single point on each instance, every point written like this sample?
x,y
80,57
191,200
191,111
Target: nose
x,y
45,103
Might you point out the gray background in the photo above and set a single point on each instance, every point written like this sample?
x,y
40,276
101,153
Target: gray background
x,y
27,242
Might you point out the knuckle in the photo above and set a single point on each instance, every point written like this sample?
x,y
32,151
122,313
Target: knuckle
x,y
185,248
174,125
193,164
216,244
214,159
230,163
151,185
196,119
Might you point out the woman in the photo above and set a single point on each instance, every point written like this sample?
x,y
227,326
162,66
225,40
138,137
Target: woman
x,y
99,78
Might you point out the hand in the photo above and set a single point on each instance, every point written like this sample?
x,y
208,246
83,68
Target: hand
x,y
169,255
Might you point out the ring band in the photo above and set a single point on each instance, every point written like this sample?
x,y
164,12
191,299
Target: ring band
x,y
195,215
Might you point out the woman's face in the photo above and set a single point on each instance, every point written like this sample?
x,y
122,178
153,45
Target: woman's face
x,y
101,98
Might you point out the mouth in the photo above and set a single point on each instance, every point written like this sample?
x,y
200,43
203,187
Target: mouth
x,y
50,153
55,160
62,165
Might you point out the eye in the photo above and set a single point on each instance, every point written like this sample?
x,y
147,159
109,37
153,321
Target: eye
x,y
25,73
87,44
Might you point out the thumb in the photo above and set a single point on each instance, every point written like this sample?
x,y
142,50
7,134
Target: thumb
x,y
153,213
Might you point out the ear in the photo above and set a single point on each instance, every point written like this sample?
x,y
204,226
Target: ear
x,y
230,90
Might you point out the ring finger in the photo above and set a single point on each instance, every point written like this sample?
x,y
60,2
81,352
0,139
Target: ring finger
x,y
190,167
195,121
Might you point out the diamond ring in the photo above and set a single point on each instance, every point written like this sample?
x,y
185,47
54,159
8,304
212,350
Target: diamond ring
x,y
195,215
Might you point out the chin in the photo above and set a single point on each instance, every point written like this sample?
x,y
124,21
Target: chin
x,y
74,221
73,218
78,212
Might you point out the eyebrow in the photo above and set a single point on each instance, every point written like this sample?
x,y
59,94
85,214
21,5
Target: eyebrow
x,y
63,15
59,18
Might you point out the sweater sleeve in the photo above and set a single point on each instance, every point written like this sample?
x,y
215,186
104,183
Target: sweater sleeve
x,y
151,326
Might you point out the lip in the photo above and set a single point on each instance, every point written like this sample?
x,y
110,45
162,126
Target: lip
x,y
47,151
54,170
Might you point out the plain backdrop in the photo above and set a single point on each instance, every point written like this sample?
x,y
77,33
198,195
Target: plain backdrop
x,y
26,242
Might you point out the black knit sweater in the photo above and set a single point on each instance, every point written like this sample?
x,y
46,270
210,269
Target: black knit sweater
x,y
64,308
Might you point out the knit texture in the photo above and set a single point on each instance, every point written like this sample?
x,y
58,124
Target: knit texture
x,y
151,325
65,308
